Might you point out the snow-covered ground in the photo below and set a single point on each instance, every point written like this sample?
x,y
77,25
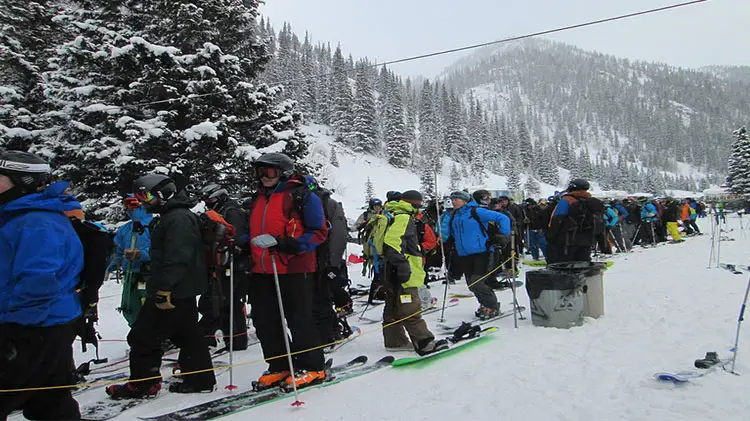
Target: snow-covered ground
x,y
664,308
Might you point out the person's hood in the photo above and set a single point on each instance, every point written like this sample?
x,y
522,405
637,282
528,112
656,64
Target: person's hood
x,y
53,198
400,207
139,215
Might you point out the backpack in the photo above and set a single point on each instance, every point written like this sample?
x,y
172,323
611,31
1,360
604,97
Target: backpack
x,y
299,196
375,240
580,218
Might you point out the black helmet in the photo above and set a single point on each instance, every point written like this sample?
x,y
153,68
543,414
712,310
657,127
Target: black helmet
x,y
157,185
27,171
374,202
578,184
276,160
393,195
482,197
214,194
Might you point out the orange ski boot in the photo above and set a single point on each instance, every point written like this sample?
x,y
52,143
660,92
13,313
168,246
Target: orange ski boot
x,y
304,378
269,379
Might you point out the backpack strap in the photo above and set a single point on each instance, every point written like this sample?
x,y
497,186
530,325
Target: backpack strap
x,y
475,216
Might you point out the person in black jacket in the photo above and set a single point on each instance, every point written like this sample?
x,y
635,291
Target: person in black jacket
x,y
177,275
217,198
535,228
575,222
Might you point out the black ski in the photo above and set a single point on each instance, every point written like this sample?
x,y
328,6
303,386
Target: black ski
x,y
245,400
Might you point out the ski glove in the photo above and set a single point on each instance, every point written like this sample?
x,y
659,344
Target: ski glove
x,y
132,254
288,245
163,300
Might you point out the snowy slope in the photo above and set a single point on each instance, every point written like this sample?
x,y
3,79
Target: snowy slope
x,y
664,309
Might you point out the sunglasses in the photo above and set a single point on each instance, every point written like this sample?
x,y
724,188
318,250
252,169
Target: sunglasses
x,y
144,196
267,172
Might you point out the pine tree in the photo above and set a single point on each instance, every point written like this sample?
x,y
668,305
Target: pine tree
x,y
532,187
334,158
394,128
739,163
28,35
526,148
364,130
369,190
455,177
130,99
341,97
427,179
429,136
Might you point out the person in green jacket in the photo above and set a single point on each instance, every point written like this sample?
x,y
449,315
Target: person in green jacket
x,y
404,275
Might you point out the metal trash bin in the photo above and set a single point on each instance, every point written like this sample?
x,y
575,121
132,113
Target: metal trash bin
x,y
556,298
593,272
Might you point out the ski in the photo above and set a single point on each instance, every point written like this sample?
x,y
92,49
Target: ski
x,y
236,403
456,346
708,365
110,408
731,268
478,321
356,332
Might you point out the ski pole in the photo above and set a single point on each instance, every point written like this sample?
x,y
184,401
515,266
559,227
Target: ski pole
x,y
513,279
444,266
231,385
739,324
266,241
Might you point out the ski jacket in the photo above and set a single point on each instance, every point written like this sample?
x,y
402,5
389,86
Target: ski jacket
x,y
649,212
135,229
239,219
671,212
536,218
427,237
178,261
610,216
622,213
469,237
693,211
41,259
273,213
685,215
401,248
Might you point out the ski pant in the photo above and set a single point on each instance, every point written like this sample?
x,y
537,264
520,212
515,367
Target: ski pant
x,y
215,308
322,308
399,305
339,281
628,231
661,231
691,226
41,356
673,231
180,325
537,242
647,233
297,297
476,267
602,242
557,253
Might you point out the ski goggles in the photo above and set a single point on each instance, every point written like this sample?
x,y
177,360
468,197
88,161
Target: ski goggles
x,y
144,196
267,172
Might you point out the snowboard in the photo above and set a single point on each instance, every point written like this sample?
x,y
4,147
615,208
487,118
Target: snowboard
x,y
455,347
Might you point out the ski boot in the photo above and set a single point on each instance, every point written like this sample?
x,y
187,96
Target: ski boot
x,y
133,390
269,380
489,313
433,346
709,361
465,331
303,378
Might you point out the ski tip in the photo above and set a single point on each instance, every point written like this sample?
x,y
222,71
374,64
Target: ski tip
x,y
387,360
360,359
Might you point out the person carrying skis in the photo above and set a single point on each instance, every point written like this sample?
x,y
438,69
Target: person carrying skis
x,y
40,267
132,244
299,229
177,275
217,199
468,228
575,221
404,274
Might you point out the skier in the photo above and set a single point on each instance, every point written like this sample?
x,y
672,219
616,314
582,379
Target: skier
x,y
217,199
40,265
132,244
299,229
468,227
649,216
575,221
671,216
404,275
177,275
536,225
374,206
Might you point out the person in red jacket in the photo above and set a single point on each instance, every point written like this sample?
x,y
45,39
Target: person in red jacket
x,y
285,208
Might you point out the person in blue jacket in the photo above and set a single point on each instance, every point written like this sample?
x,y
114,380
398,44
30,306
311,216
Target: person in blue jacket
x,y
40,266
468,229
132,244
625,227
614,231
649,216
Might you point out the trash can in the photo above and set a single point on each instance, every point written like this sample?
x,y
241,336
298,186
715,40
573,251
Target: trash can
x,y
556,297
593,300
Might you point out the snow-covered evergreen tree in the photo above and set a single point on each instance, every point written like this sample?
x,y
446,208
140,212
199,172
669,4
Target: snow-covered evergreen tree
x,y
369,190
341,97
455,178
334,158
739,163
363,133
532,188
526,148
128,99
394,128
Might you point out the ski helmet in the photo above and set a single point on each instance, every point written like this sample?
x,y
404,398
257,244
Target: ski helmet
x,y
578,184
482,197
213,194
276,160
374,202
27,171
150,186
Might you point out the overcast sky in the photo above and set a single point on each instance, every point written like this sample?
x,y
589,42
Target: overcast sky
x,y
714,32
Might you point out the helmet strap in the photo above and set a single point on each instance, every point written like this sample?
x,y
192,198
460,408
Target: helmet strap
x,y
12,194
